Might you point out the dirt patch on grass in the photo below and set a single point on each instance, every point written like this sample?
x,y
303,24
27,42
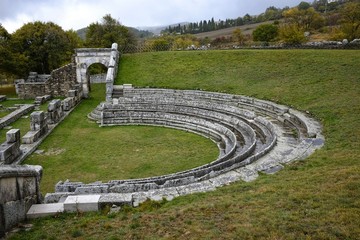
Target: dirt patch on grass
x,y
54,151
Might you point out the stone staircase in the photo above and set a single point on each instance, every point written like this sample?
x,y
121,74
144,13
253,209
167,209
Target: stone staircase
x,y
117,92
95,115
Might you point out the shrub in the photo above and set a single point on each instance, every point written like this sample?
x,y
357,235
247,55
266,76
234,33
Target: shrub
x,y
265,33
291,34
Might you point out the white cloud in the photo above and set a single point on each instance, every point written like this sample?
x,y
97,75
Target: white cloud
x,y
76,14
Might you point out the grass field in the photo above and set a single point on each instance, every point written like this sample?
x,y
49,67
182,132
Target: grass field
x,y
318,198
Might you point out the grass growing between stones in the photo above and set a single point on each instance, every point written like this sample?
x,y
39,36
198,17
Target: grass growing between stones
x,y
80,150
22,123
318,198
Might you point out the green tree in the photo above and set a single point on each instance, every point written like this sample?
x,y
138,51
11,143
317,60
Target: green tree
x,y
265,33
6,56
108,31
272,13
350,15
304,6
40,47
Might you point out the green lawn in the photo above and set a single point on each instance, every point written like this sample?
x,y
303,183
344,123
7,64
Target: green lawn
x,y
318,198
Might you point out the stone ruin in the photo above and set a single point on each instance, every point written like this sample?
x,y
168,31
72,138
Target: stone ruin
x,y
19,190
63,79
10,149
20,184
55,111
38,127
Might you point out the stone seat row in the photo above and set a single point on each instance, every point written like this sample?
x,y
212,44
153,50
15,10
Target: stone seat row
x,y
212,112
260,107
236,125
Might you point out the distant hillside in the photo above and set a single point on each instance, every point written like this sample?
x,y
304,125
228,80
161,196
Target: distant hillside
x,y
82,33
227,32
157,29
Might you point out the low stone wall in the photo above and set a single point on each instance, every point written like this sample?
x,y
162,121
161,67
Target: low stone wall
x,y
31,90
57,84
15,115
19,189
98,78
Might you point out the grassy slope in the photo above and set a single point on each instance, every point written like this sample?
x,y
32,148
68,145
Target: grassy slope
x,y
318,198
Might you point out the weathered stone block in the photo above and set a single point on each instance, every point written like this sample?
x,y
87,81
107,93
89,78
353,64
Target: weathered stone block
x,y
10,151
37,121
72,93
68,103
54,105
82,203
14,212
8,191
13,136
31,137
44,210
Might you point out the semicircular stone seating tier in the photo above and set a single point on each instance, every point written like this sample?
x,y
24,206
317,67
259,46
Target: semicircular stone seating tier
x,y
252,136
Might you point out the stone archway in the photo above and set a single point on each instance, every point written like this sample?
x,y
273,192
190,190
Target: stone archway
x,y
84,57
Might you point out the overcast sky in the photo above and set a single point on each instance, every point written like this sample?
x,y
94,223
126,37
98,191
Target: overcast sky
x,y
76,14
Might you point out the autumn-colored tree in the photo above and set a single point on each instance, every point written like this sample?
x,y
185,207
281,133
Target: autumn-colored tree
x,y
350,18
306,19
291,34
238,36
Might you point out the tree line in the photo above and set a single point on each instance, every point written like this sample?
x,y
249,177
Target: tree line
x,y
271,13
44,46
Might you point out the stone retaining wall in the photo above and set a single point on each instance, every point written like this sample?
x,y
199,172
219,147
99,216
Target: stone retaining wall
x,y
19,189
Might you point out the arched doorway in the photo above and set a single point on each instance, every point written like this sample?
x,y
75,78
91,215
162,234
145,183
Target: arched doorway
x,y
96,73
85,57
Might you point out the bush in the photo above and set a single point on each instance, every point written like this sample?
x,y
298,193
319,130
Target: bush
x,y
265,33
